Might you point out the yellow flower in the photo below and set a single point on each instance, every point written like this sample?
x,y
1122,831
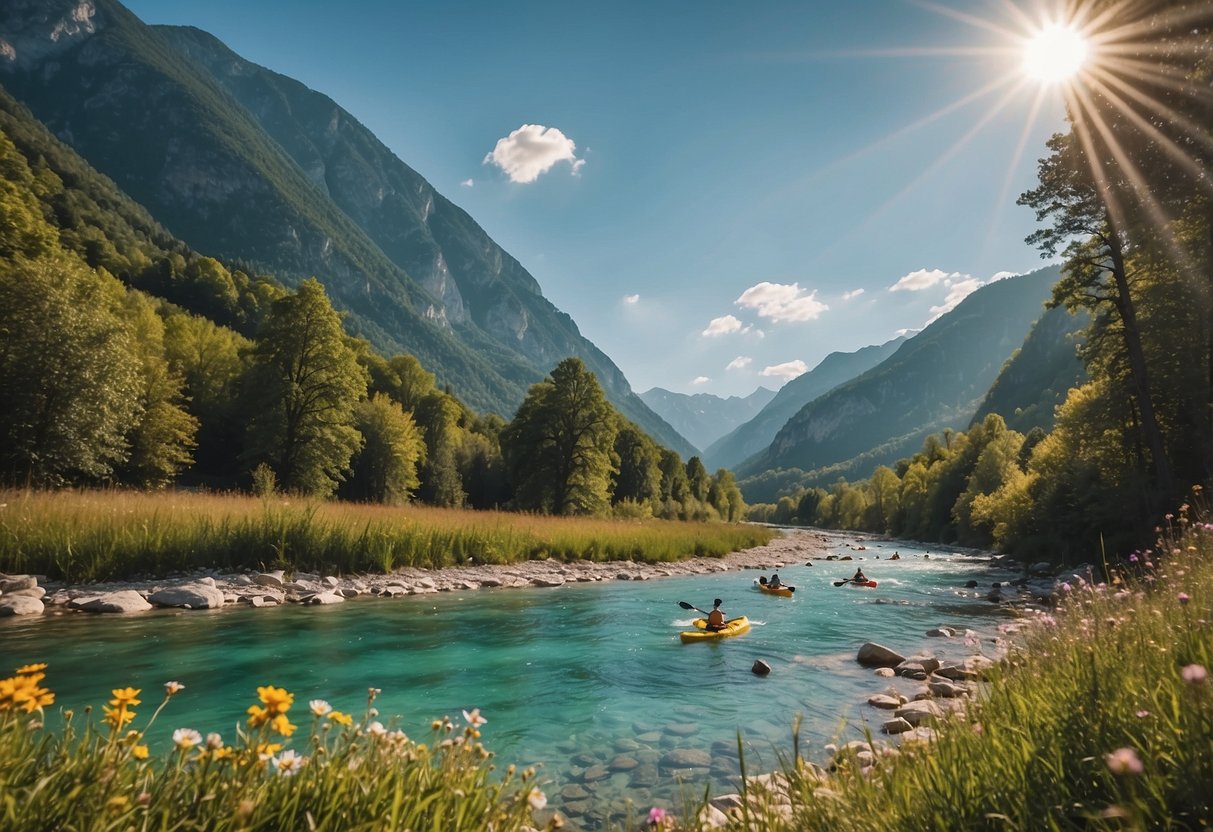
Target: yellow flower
x,y
276,700
117,717
282,725
31,668
116,804
341,718
139,752
222,753
24,692
125,696
258,716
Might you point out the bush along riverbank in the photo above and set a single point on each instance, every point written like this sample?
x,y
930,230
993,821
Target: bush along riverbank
x,y
90,536
1100,717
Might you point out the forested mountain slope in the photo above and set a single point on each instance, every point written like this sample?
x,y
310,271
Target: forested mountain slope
x,y
753,436
703,418
935,380
248,165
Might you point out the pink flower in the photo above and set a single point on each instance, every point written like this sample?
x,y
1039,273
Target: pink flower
x,y
1183,597
1194,674
657,816
1124,761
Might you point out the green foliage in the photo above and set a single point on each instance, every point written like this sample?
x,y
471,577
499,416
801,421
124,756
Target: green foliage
x,y
304,383
385,469
638,478
559,446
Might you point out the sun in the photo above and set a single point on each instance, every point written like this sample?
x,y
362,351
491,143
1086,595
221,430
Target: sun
x,y
1055,53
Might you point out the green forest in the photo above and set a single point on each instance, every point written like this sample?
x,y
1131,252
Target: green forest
x,y
128,359
1125,201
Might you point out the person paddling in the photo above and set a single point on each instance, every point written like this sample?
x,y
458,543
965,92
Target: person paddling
x,y
716,616
859,577
775,583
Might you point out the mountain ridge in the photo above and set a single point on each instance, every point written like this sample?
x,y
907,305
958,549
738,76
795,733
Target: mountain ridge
x,y
704,417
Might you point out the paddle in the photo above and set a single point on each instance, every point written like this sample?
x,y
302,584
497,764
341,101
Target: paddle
x,y
687,606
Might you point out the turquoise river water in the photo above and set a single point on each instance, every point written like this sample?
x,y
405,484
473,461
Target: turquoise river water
x,y
576,679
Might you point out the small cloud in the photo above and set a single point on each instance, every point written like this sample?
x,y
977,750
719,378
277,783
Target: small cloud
x,y
631,300
906,331
1002,276
739,363
782,302
532,150
854,293
468,183
958,290
919,280
787,370
698,380
723,325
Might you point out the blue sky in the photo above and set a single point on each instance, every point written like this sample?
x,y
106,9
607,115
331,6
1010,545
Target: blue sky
x,y
719,193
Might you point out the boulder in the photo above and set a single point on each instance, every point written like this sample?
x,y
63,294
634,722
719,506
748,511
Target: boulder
x,y
349,592
760,668
325,598
32,592
941,632
330,582
881,700
270,579
12,604
911,670
15,582
885,672
947,690
197,596
919,712
126,600
554,580
712,818
1041,568
686,758
874,655
896,725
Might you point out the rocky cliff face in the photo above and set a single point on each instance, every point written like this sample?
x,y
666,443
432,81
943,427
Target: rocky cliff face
x,y
246,164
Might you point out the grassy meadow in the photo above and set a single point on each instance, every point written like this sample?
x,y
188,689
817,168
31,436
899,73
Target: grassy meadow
x,y
82,536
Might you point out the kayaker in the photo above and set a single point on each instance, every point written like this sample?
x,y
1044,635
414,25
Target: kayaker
x,y
716,616
859,578
775,583
762,579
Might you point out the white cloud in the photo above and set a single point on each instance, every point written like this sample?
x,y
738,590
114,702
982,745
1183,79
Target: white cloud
x,y
739,363
468,183
782,302
958,290
631,300
919,280
787,370
532,150
723,326
1002,276
854,293
698,380
906,331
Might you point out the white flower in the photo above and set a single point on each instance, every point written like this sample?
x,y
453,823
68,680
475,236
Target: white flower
x,y
320,707
376,728
288,762
398,736
537,799
474,718
186,738
213,740
171,688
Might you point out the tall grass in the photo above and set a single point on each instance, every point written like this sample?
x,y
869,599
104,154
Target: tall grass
x,y
106,535
1101,719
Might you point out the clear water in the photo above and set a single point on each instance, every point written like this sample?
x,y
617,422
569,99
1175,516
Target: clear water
x,y
585,669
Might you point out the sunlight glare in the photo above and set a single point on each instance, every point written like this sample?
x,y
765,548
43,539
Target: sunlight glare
x,y
1055,53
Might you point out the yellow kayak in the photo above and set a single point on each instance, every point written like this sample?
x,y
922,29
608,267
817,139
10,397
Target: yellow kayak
x,y
783,591
732,627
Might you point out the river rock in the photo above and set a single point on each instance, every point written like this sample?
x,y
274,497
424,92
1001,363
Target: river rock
x,y
955,673
941,632
644,776
885,672
13,604
874,655
196,596
1041,568
911,670
681,729
126,600
919,712
623,762
881,700
16,582
760,668
325,598
574,792
947,690
712,818
649,737
554,580
978,665
726,802
928,663
896,725
349,592
686,758
270,579
32,592
595,773
330,582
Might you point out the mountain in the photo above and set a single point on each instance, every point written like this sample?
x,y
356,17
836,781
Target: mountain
x,y
755,435
934,381
252,166
703,418
1038,376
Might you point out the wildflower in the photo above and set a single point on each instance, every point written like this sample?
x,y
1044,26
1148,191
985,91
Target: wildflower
x,y
24,692
139,752
282,725
186,738
376,729
1133,558
1065,587
320,707
144,798
537,799
173,688
1124,761
116,804
125,697
1183,598
1194,674
474,718
214,741
117,717
658,817
341,718
276,700
1142,714
288,763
